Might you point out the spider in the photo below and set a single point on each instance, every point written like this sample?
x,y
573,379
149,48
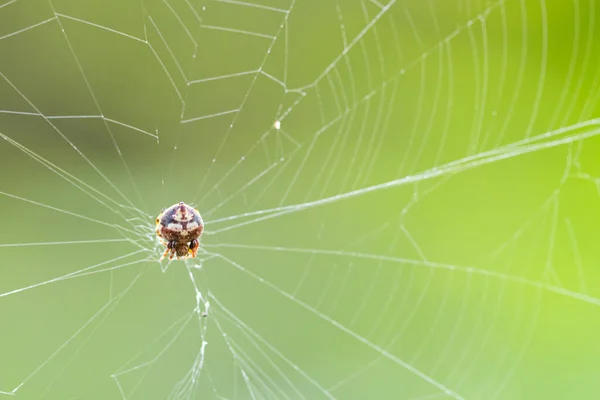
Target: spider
x,y
179,228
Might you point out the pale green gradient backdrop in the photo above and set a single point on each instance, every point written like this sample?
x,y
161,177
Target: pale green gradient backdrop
x,y
477,271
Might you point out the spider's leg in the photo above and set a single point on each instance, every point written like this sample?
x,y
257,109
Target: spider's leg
x,y
164,254
169,249
194,247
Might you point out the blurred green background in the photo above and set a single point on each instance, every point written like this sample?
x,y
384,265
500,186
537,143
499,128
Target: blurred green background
x,y
424,224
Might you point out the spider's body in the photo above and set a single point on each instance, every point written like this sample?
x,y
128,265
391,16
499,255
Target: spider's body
x,y
180,226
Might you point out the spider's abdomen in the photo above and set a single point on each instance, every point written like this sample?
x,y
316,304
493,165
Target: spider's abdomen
x,y
180,223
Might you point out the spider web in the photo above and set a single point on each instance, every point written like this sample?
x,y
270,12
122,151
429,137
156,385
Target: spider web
x,y
401,199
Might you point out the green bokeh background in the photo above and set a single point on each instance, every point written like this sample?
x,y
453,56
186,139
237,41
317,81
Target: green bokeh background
x,y
459,260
